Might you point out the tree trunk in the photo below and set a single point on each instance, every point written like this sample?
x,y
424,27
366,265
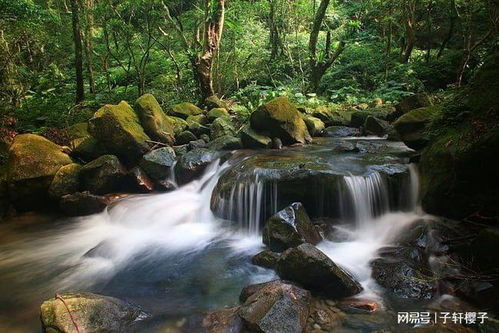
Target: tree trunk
x,y
89,52
452,23
409,35
80,93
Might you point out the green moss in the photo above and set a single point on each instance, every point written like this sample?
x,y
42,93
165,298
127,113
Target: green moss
x,y
200,119
179,125
222,127
314,125
66,181
217,113
183,110
156,124
252,139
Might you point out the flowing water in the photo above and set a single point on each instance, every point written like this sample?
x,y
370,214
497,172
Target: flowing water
x,y
170,254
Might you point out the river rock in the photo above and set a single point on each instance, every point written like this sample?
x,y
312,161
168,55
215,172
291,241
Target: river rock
x,y
275,307
137,181
341,131
158,163
179,125
307,265
66,181
221,127
410,103
375,126
217,113
281,119
196,144
192,164
83,145
288,228
226,142
254,140
82,203
154,121
330,117
266,258
219,321
199,118
91,312
315,126
185,137
119,129
411,126
213,102
184,110
103,175
32,165
198,129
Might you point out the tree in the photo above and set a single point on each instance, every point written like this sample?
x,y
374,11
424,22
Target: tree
x,y
78,49
320,64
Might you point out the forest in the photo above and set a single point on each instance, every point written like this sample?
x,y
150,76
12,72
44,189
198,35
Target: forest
x,y
240,166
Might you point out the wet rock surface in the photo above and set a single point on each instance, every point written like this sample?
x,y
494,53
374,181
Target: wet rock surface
x,y
82,203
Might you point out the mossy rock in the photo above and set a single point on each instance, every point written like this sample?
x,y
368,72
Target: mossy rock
x,y
185,137
411,126
375,126
222,127
103,175
93,313
200,119
33,162
66,181
281,119
315,126
158,163
82,144
410,103
217,113
192,164
198,129
226,142
179,125
253,140
119,129
184,110
213,102
331,117
154,121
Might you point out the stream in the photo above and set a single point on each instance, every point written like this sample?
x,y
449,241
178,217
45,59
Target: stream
x,y
183,252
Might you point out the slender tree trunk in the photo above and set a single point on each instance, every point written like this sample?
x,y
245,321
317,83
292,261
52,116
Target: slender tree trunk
x,y
429,27
409,33
452,23
80,93
89,52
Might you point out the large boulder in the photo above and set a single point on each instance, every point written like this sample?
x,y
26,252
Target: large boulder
x,y
307,265
90,312
281,119
82,203
217,113
83,145
184,110
254,140
410,103
221,127
266,258
119,129
275,307
411,126
154,121
33,163
66,181
375,126
315,126
158,164
192,164
103,175
288,228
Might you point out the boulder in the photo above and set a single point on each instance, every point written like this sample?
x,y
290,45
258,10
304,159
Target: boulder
x,y
375,126
197,129
82,203
192,164
217,113
196,144
307,265
315,126
359,118
330,117
119,130
411,126
341,131
137,181
275,307
221,127
66,181
158,164
219,321
91,312
184,110
288,228
103,175
266,258
213,102
281,119
254,140
200,119
32,165
154,121
179,125
410,103
185,137
226,142
82,144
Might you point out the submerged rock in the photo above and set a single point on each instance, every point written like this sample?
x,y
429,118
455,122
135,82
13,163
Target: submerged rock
x,y
155,122
254,140
281,119
103,175
119,130
82,203
275,307
310,267
219,321
33,163
91,312
288,228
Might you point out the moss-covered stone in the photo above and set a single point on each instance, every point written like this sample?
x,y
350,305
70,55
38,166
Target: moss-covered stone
x,y
154,121
184,110
410,103
215,102
226,142
103,175
217,113
33,162
253,140
179,125
94,313
332,117
66,181
200,119
119,129
315,126
222,127
82,203
411,126
185,137
281,119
